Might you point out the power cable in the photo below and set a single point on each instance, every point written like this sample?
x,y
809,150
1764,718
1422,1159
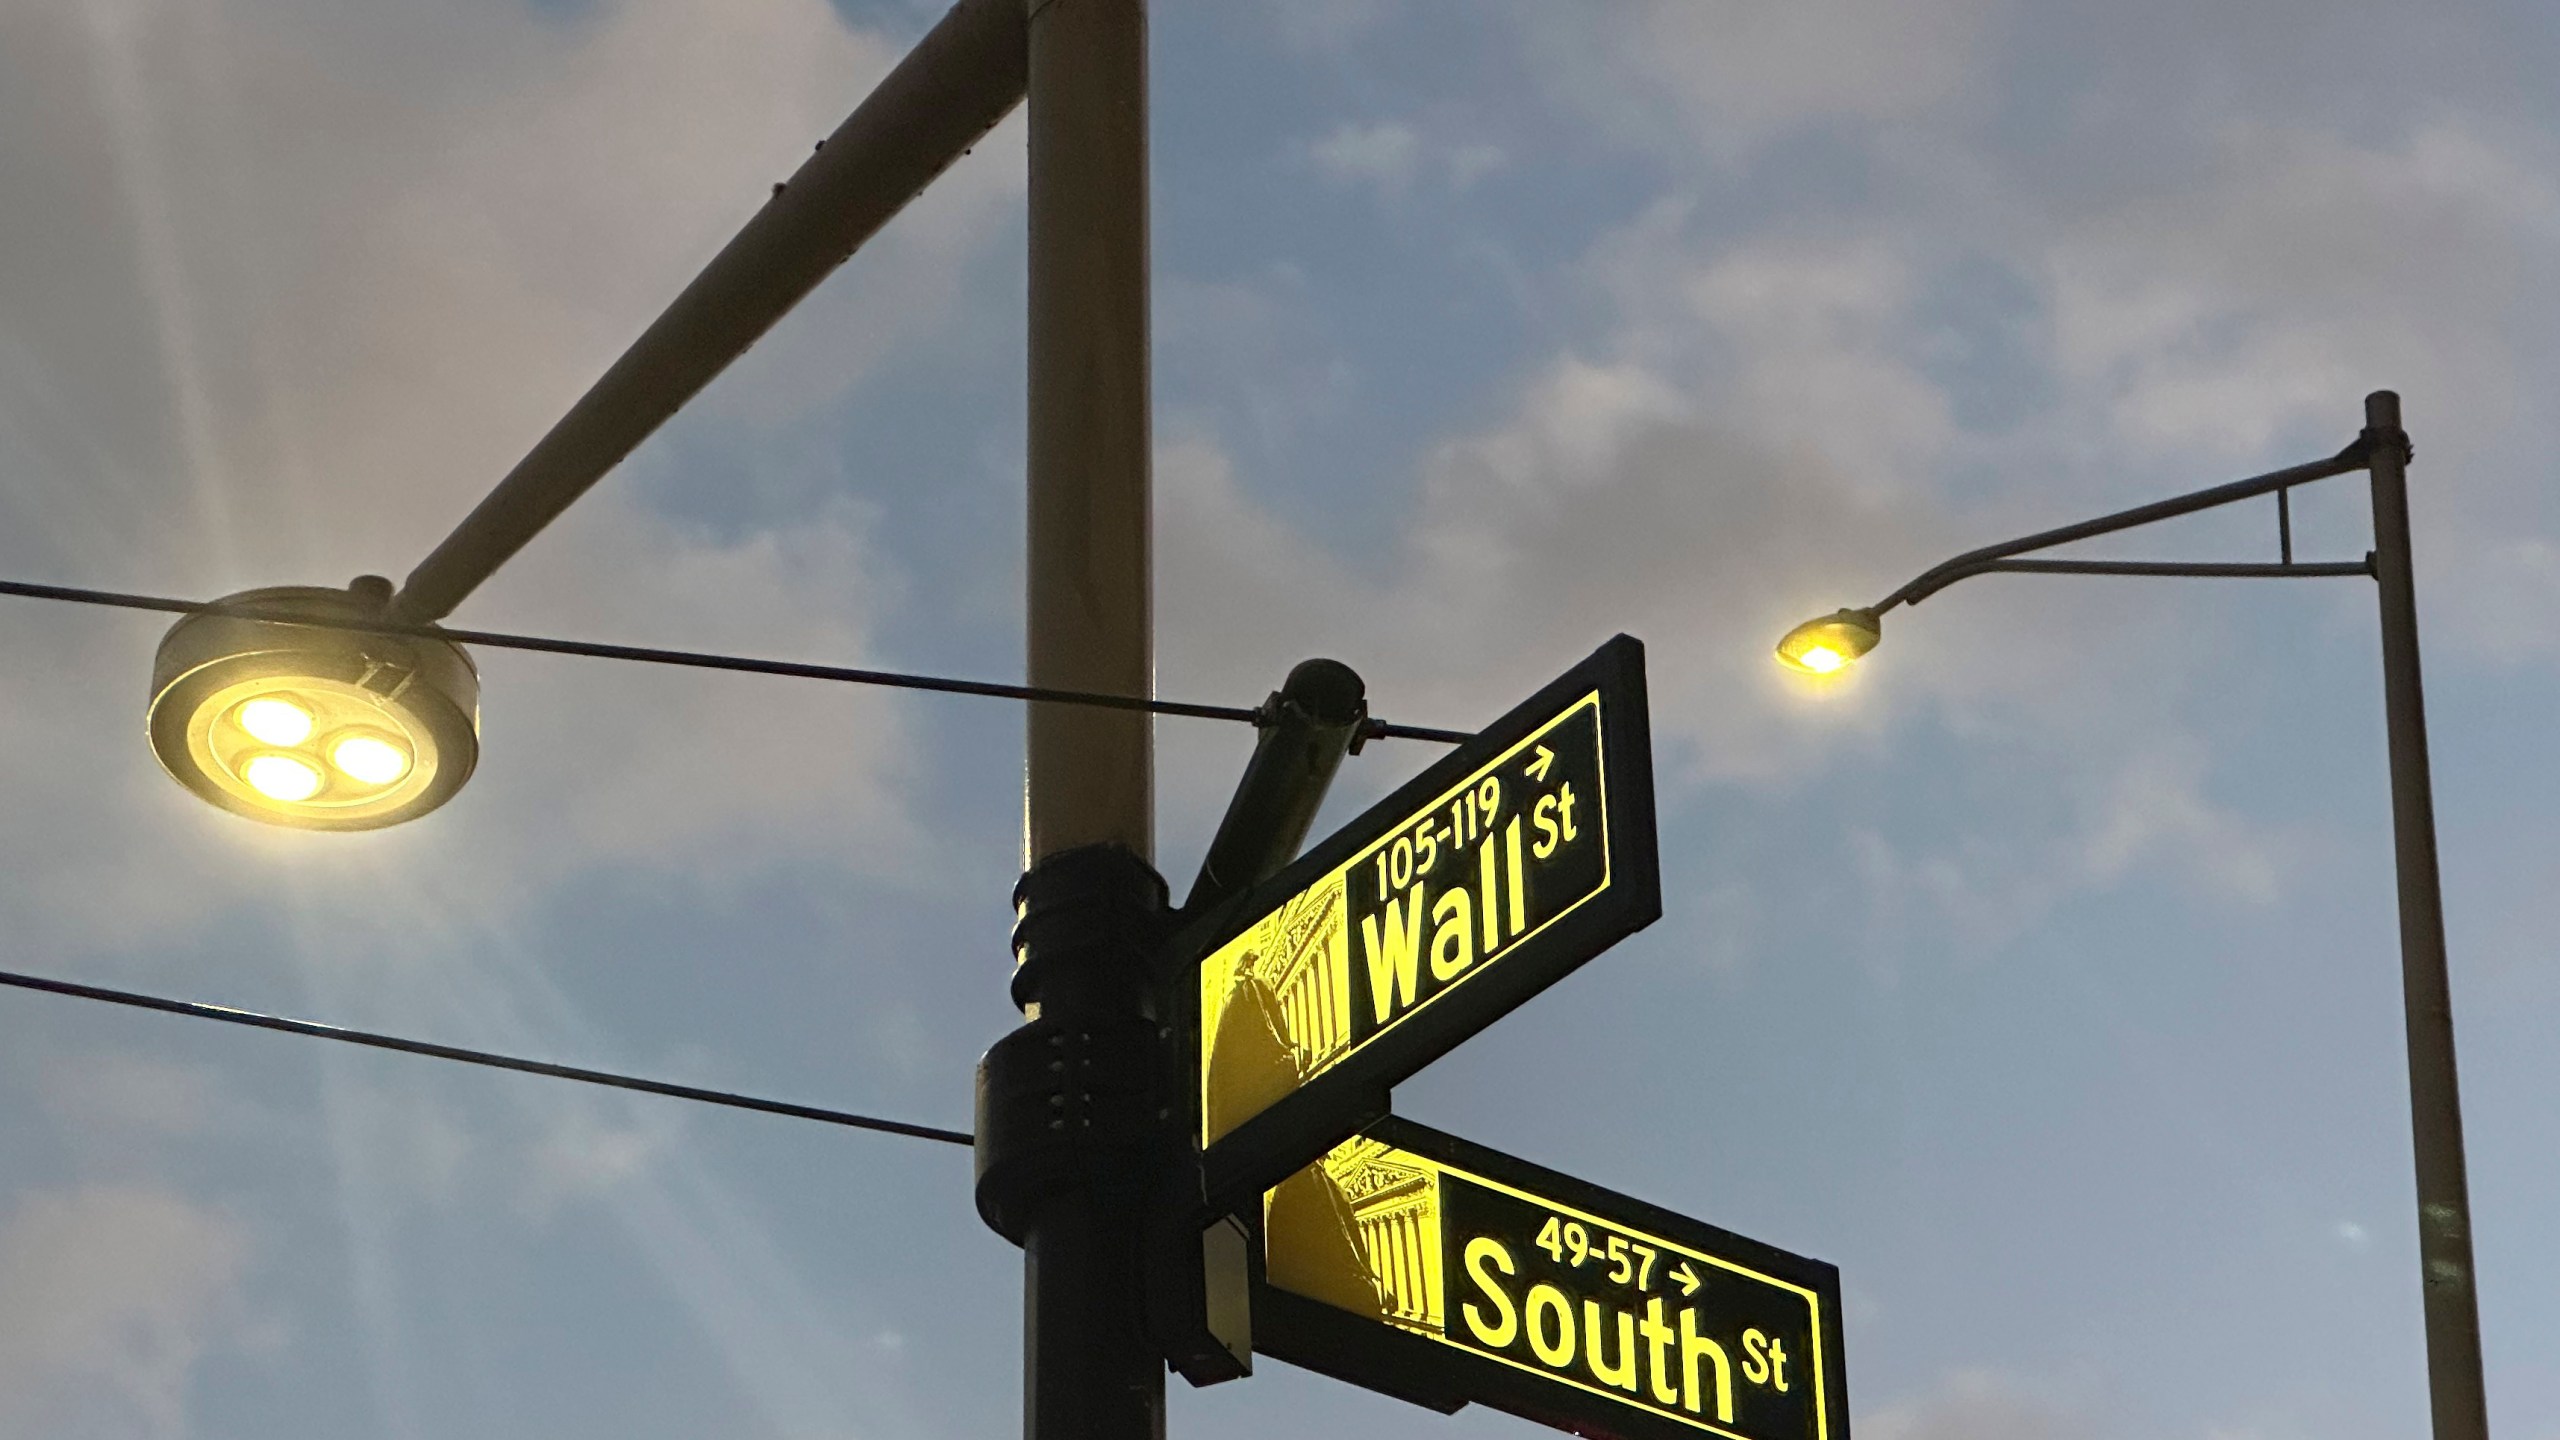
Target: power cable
x,y
229,1016
1374,729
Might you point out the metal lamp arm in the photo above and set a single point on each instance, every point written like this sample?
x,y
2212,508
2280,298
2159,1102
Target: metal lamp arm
x,y
2001,557
964,76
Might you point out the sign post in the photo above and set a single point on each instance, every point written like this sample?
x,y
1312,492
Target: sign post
x,y
1412,1262
1474,886
1408,1261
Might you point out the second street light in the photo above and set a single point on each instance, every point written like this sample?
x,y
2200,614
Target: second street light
x,y
1831,643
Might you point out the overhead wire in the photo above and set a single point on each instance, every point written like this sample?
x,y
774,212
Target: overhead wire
x,y
78,595
197,1010
1375,729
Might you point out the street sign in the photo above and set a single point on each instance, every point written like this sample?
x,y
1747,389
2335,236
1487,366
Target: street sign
x,y
1412,1262
1482,881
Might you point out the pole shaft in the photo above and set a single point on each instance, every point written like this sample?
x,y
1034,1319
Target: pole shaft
x,y
1089,1371
1091,776
961,78
2455,1388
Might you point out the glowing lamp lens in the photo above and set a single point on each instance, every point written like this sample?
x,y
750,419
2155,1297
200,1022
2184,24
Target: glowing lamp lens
x,y
282,777
1829,645
370,759
274,721
264,707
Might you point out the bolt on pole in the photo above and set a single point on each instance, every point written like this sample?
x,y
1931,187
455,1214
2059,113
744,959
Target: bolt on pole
x,y
2455,1388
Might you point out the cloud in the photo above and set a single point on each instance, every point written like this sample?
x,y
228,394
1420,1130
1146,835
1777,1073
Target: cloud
x,y
1322,25
2155,806
573,1159
1392,157
583,1156
1975,1405
2223,255
1726,75
2243,318
1710,473
109,1298
129,1094
1384,155
1605,502
2106,818
1758,436
2307,269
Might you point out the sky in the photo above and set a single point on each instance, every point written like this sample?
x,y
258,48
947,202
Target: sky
x,y
2042,975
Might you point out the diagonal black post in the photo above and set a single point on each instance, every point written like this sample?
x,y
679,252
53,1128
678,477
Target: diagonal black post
x,y
1307,726
2456,1391
1199,1265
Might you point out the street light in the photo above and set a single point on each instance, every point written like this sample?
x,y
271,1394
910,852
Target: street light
x,y
393,718
2456,1392
263,706
1830,644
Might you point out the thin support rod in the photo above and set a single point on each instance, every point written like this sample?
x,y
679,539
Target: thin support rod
x,y
1972,562
2456,1391
224,1013
948,92
697,660
2284,526
2194,570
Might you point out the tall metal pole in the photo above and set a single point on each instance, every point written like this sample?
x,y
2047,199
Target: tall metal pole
x,y
2455,1389
1089,1370
1092,772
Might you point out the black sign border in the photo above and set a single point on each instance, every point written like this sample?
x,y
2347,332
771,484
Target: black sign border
x,y
1378,1356
1331,1108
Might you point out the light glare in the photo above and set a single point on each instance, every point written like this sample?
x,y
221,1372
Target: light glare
x,y
371,760
282,777
275,721
1830,644
253,714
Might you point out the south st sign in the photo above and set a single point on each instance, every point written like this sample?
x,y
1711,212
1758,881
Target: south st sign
x,y
1411,1262
1474,886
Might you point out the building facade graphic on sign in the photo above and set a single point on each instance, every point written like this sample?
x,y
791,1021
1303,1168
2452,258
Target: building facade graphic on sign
x,y
1460,882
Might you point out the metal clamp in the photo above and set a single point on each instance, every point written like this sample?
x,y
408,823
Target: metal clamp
x,y
1077,1096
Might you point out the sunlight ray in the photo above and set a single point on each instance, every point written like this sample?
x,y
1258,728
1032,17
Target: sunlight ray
x,y
143,176
796,1358
367,1204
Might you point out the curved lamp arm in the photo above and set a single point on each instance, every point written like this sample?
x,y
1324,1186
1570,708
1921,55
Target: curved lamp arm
x,y
1823,645
1991,558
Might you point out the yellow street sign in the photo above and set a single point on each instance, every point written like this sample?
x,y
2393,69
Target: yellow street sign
x,y
1412,1262
1486,879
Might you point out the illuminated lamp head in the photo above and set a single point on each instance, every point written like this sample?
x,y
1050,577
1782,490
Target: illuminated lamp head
x,y
1830,644
307,726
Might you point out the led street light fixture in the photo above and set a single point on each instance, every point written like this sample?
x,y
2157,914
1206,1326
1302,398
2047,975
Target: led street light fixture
x,y
304,725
